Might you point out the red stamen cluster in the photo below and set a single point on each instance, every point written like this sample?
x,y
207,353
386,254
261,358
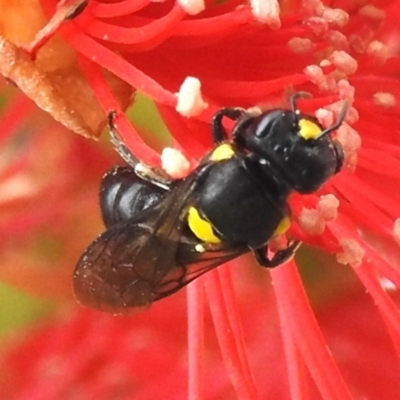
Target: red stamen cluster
x,y
237,54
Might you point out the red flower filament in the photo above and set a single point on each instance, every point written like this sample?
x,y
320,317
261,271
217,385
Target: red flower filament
x,y
192,58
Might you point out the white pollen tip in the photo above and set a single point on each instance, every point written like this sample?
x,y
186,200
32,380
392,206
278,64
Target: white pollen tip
x,y
372,12
267,12
301,45
190,102
346,91
192,7
337,39
353,253
344,62
311,221
351,142
317,25
324,117
315,74
352,115
174,163
335,16
328,207
325,63
384,99
378,50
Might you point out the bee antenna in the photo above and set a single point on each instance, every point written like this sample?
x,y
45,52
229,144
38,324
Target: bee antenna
x,y
293,105
336,125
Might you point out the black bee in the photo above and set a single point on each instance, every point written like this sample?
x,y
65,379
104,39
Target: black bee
x,y
162,234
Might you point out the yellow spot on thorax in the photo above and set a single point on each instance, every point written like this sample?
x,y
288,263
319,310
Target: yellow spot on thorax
x,y
222,152
201,228
309,129
283,226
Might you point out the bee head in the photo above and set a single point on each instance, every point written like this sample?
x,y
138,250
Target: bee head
x,y
294,144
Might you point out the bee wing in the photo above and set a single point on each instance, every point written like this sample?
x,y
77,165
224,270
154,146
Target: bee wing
x,y
124,266
192,263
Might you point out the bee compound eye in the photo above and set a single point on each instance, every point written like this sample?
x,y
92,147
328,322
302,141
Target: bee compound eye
x,y
337,147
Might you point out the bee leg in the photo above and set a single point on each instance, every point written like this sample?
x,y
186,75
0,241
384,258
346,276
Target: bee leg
x,y
280,257
156,176
219,133
150,174
118,144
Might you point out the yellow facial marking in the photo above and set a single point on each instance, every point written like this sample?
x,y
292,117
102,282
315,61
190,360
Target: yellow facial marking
x,y
283,226
200,227
222,152
309,129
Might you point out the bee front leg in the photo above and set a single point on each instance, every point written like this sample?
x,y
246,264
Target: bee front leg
x,y
219,133
280,257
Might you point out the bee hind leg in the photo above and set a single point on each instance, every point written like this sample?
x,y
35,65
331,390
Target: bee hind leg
x,y
148,173
118,143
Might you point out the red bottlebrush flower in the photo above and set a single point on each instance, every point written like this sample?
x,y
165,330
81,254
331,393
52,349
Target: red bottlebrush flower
x,y
243,55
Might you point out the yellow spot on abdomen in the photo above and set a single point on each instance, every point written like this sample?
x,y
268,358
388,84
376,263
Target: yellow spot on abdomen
x,y
201,228
222,152
309,129
283,226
